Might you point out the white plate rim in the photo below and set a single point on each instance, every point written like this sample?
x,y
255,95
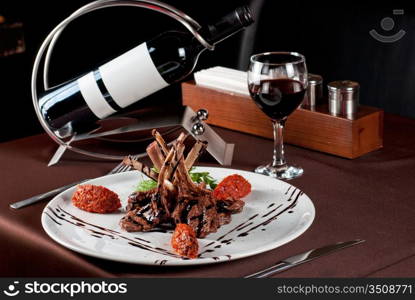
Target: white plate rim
x,y
199,261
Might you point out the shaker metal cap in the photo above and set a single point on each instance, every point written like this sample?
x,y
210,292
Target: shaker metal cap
x,y
314,79
314,93
343,98
343,85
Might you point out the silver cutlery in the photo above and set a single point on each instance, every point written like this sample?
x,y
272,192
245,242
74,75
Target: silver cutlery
x,y
301,258
121,167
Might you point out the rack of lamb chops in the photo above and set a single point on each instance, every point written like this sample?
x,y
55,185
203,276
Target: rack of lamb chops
x,y
176,199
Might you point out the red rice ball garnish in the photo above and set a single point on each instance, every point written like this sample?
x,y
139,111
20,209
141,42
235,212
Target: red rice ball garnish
x,y
232,187
96,199
184,241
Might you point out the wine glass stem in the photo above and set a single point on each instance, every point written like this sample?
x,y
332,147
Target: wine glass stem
x,y
278,158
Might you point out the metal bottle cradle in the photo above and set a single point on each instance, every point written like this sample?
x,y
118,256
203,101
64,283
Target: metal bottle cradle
x,y
185,117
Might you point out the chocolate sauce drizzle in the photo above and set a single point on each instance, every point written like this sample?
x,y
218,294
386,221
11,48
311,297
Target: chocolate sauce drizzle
x,y
271,211
136,242
236,227
271,216
52,218
275,216
160,262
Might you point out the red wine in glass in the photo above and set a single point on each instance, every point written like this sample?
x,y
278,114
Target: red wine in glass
x,y
277,98
277,82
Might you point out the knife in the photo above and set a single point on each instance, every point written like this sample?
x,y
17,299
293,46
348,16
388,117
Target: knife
x,y
301,258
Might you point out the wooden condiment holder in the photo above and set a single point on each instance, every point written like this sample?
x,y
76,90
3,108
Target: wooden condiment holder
x,y
316,130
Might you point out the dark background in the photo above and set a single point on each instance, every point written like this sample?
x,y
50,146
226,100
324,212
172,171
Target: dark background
x,y
333,36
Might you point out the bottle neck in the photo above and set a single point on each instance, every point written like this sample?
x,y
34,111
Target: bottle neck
x,y
227,26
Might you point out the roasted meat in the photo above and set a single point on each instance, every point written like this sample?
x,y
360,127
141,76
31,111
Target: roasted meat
x,y
176,199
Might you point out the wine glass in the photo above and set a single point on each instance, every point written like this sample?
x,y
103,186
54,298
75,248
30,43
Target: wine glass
x,y
277,82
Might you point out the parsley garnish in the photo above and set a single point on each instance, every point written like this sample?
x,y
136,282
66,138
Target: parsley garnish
x,y
197,177
146,185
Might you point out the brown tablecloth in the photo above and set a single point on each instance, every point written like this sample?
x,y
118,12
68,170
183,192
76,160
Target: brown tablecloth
x,y
371,197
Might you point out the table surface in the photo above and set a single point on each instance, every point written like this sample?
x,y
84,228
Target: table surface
x,y
371,198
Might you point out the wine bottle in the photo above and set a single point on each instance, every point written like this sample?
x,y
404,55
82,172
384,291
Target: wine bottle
x,y
145,69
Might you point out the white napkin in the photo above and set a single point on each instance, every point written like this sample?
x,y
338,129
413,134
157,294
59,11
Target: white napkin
x,y
222,78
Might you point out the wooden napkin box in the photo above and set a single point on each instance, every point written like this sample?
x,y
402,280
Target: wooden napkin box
x,y
316,130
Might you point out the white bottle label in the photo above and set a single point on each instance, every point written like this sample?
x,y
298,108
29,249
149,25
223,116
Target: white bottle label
x,y
127,79
93,96
131,76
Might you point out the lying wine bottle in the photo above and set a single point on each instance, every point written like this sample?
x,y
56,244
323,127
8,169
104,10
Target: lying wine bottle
x,y
145,69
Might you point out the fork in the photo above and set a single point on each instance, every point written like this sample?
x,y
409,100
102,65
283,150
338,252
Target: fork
x,y
120,168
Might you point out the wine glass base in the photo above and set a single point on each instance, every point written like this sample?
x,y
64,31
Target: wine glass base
x,y
283,172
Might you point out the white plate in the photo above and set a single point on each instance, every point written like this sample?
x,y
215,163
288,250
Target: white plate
x,y
275,213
